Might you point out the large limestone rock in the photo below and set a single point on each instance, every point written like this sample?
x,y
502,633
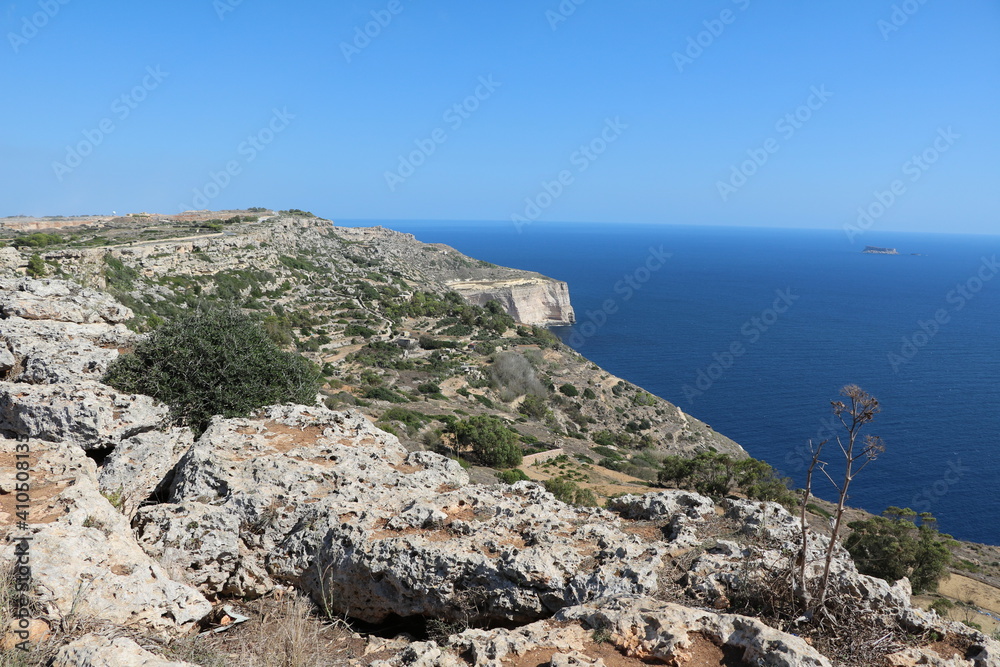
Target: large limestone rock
x,y
11,260
646,630
59,300
771,541
56,342
55,331
979,656
650,629
141,466
85,562
683,510
326,501
47,352
89,414
666,504
93,650
485,554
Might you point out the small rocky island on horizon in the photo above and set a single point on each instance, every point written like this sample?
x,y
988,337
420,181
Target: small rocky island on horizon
x,y
876,250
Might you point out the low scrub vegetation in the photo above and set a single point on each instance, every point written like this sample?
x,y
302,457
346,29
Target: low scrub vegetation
x,y
217,362
898,544
717,475
513,375
570,492
493,444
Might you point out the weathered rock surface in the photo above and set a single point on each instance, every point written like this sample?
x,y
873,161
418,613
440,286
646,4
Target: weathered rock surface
x,y
683,510
93,650
11,260
84,559
641,628
59,300
326,501
48,352
55,331
56,341
981,656
666,504
773,541
87,413
141,465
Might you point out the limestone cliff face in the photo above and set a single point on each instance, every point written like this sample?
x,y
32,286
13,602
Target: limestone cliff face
x,y
535,301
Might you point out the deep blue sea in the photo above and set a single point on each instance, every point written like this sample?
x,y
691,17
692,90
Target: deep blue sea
x,y
755,330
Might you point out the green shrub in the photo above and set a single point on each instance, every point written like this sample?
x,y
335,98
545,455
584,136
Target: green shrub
x,y
358,330
36,240
384,394
430,343
942,606
717,475
569,390
379,354
637,426
411,419
643,398
493,443
816,509
36,266
589,394
533,406
388,428
457,330
894,546
604,438
299,264
218,362
485,401
607,452
569,492
511,476
429,388
118,275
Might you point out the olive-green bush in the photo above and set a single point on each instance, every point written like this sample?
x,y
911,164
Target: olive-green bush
x,y
214,362
493,443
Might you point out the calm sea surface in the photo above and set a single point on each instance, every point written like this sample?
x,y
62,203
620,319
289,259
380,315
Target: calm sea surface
x,y
754,331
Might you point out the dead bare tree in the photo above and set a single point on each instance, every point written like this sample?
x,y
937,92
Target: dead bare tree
x,y
806,494
860,409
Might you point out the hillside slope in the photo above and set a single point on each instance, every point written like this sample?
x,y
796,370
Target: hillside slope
x,y
371,306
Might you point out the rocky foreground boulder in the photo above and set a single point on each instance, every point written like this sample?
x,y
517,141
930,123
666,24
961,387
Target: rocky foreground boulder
x,y
325,501
647,630
85,562
94,650
56,341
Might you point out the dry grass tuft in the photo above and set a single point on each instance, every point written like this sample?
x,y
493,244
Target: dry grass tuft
x,y
281,632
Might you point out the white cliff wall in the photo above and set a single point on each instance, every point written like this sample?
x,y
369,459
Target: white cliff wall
x,y
534,301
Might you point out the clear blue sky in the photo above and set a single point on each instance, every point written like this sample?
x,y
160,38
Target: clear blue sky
x,y
223,68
